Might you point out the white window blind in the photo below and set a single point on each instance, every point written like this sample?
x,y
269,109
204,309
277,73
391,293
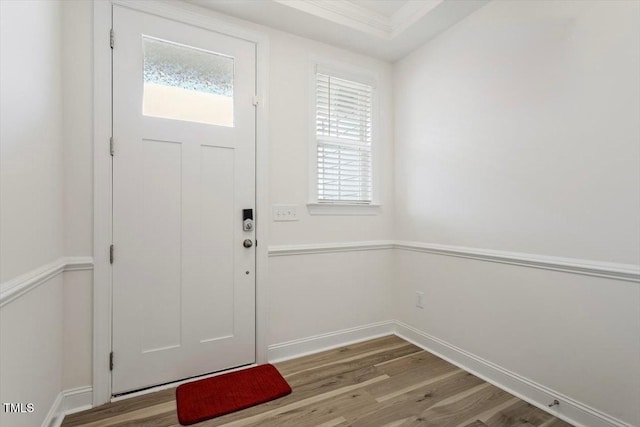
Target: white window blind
x,y
343,136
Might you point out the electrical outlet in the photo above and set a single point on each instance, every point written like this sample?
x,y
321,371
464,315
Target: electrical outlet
x,y
285,212
419,299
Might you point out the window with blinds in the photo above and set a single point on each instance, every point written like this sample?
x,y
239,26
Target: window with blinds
x,y
343,136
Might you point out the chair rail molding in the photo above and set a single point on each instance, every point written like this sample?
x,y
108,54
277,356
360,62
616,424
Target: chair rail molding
x,y
319,248
15,288
608,270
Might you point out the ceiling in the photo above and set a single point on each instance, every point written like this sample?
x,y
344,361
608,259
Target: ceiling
x,y
385,7
385,29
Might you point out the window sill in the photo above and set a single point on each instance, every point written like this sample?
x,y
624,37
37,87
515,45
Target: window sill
x,y
342,209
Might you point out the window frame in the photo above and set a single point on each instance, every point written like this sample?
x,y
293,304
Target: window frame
x,y
359,75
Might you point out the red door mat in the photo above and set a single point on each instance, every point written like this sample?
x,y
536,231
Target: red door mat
x,y
212,397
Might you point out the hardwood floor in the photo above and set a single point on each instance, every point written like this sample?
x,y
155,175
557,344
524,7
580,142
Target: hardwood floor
x,y
383,382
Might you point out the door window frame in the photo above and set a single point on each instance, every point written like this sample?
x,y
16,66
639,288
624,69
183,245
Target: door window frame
x,y
102,172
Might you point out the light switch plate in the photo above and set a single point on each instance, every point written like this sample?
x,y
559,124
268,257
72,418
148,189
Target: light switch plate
x,y
285,212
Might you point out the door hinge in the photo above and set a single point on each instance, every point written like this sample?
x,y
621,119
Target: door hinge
x,y
111,149
255,101
111,254
111,41
111,361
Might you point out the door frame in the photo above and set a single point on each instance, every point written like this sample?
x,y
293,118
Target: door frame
x,y
102,170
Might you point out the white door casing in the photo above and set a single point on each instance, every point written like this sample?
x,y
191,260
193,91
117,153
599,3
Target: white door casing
x,y
183,283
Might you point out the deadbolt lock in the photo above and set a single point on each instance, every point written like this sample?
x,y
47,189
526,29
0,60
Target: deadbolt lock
x,y
247,219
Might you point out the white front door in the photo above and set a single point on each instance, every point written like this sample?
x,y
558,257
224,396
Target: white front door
x,y
183,174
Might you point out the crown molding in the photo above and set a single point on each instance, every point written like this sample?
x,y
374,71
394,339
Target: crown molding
x,y
360,18
409,14
345,13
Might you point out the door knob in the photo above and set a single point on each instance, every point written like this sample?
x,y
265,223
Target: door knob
x,y
247,243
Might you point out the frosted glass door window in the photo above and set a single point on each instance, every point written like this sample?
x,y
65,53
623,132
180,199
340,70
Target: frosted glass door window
x,y
185,83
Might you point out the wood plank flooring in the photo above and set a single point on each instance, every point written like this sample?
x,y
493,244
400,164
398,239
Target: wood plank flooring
x,y
383,382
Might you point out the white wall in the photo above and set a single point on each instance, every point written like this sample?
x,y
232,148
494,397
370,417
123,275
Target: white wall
x,y
312,294
289,59
31,221
78,330
316,294
512,104
289,131
517,130
77,83
31,224
575,335
31,356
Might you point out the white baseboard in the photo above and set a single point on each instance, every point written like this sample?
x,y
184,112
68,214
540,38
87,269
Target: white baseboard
x,y
570,410
538,395
77,399
314,344
54,416
69,402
